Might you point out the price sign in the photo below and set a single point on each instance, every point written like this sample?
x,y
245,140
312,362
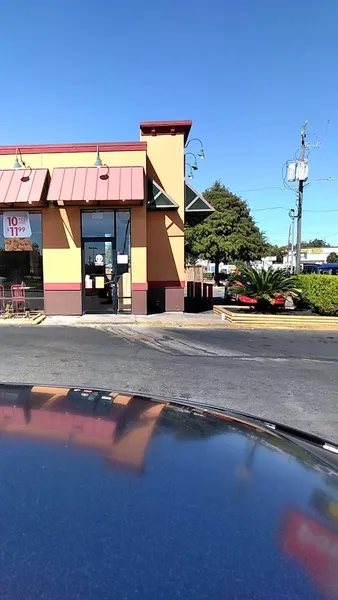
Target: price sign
x,y
16,224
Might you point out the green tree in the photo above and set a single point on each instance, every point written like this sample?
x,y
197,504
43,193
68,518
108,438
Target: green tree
x,y
278,251
264,285
333,257
316,243
229,234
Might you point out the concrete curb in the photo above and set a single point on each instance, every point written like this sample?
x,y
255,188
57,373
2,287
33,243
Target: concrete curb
x,y
208,325
234,325
192,324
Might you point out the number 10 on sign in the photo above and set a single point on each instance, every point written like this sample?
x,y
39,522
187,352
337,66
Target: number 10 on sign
x,y
16,224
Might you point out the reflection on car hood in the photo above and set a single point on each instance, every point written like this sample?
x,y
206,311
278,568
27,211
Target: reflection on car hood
x,y
107,495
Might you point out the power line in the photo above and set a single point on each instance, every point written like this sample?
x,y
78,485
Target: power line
x,y
269,208
281,189
259,189
316,233
325,210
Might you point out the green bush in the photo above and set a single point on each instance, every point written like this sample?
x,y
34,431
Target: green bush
x,y
208,276
320,293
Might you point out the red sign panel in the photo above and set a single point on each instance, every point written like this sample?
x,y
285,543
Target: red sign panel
x,y
316,548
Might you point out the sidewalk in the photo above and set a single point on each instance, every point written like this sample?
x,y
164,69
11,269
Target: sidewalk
x,y
204,319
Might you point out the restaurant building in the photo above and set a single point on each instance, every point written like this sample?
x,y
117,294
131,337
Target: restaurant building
x,y
98,227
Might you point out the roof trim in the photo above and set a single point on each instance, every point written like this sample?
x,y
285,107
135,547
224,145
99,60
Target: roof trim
x,y
197,196
155,195
166,128
73,148
196,207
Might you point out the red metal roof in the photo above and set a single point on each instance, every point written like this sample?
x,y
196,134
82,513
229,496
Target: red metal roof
x,y
23,186
106,184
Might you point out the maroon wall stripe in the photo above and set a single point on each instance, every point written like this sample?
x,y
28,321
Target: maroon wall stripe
x,y
166,284
62,287
139,287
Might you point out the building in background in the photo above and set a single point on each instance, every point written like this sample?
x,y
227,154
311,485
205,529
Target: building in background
x,y
311,255
98,227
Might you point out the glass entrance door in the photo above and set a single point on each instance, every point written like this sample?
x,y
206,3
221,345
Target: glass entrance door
x,y
99,275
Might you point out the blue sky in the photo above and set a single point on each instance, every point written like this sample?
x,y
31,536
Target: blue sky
x,y
248,73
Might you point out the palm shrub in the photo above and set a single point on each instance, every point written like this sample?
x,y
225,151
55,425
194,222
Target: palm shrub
x,y
265,285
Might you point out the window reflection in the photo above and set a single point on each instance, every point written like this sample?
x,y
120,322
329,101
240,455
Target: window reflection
x,y
97,223
123,260
21,262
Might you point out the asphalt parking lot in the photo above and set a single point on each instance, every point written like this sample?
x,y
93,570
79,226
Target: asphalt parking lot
x,y
291,377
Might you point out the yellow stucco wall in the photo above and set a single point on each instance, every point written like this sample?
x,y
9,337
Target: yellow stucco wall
x,y
139,244
77,159
165,229
62,226
165,247
61,233
157,238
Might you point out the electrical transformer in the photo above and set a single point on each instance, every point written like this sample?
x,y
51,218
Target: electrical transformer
x,y
292,172
302,171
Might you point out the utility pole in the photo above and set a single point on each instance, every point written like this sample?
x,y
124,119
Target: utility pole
x,y
292,238
300,200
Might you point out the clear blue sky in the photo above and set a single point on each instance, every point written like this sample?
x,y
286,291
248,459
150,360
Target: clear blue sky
x,y
248,73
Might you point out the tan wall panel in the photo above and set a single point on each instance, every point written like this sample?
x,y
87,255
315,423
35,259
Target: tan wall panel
x,y
165,231
139,244
165,237
166,159
177,250
61,228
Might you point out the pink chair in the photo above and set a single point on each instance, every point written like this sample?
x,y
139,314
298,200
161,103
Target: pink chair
x,y
18,296
2,299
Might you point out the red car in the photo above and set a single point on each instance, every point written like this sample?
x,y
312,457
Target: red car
x,y
279,300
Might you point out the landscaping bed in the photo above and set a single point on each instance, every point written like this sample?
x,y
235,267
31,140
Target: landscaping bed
x,y
283,319
279,312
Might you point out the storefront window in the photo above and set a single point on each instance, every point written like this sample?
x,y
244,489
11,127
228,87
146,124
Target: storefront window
x,y
97,224
106,260
21,257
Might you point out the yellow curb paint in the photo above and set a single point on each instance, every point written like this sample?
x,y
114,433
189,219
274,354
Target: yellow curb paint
x,y
37,320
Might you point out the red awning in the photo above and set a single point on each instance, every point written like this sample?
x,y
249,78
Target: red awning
x,y
23,186
92,184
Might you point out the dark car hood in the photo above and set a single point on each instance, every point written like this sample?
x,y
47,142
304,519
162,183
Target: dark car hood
x,y
107,495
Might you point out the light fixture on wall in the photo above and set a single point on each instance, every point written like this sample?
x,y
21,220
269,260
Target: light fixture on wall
x,y
191,173
17,163
98,162
201,152
194,165
22,165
